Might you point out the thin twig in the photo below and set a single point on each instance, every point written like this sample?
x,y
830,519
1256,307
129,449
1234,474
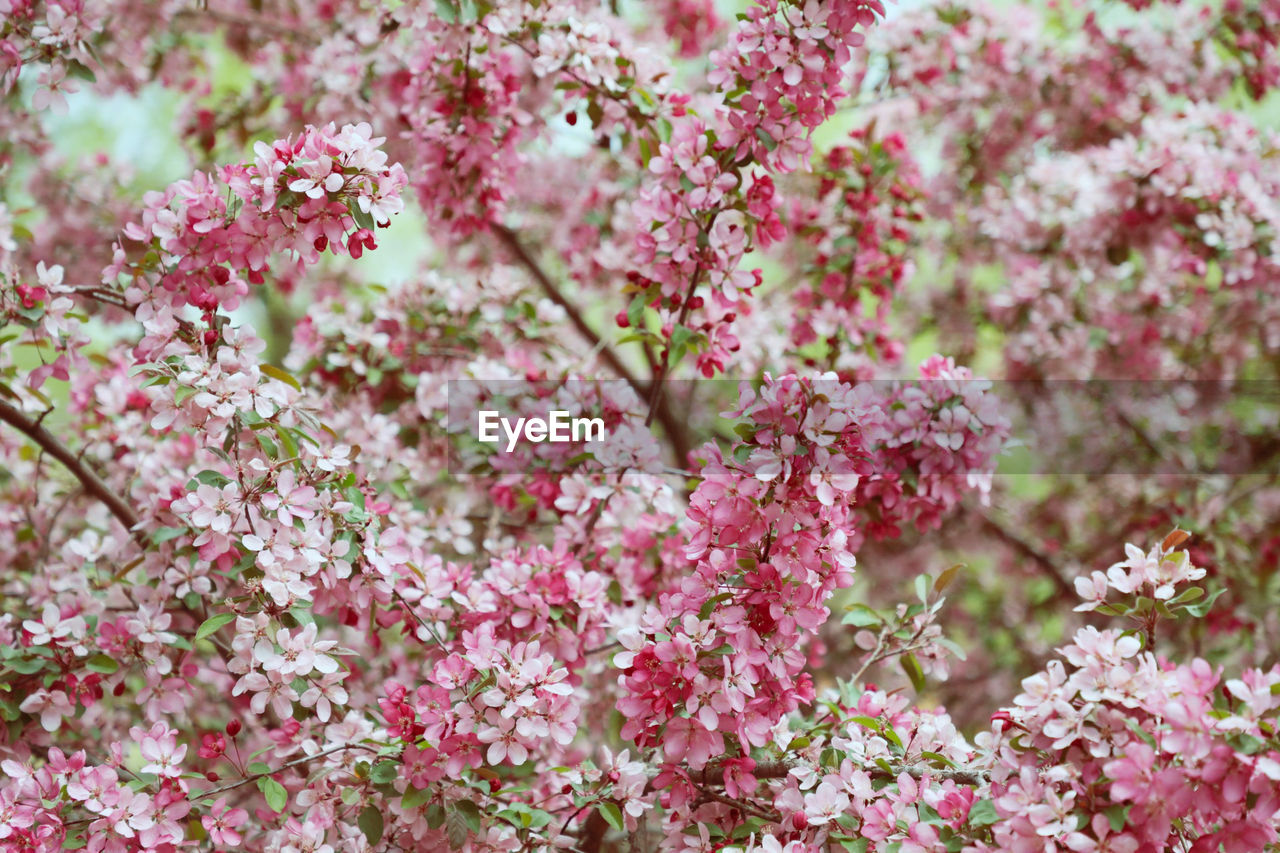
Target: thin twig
x,y
92,483
253,777
658,402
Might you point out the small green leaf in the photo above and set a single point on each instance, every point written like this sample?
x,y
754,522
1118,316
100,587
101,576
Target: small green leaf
x,y
212,478
164,534
213,623
383,772
27,666
1117,815
1199,609
282,375
612,815
277,797
104,664
446,11
860,616
414,797
635,311
370,823
470,814
983,813
911,667
362,219
947,577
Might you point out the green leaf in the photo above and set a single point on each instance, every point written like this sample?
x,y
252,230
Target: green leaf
x,y
81,72
213,623
282,375
766,140
1187,595
446,11
1199,609
370,823
164,534
922,588
983,813
362,219
277,797
911,667
939,758
104,664
1117,815
470,814
860,616
383,772
212,478
1137,730
27,666
635,311
414,797
456,829
612,815
947,577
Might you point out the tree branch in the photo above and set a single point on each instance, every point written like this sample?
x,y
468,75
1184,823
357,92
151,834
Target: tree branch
x,y
658,401
254,777
92,483
1017,543
512,243
713,774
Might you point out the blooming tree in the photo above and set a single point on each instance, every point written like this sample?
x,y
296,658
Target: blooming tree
x,y
265,589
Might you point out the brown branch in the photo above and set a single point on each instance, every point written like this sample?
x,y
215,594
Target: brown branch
x,y
714,774
658,401
253,777
512,243
89,480
1017,543
656,395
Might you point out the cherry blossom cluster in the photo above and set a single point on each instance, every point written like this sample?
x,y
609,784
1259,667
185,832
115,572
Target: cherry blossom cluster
x,y
1137,227
782,70
859,223
300,196
939,441
780,77
56,38
773,526
465,98
1114,747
